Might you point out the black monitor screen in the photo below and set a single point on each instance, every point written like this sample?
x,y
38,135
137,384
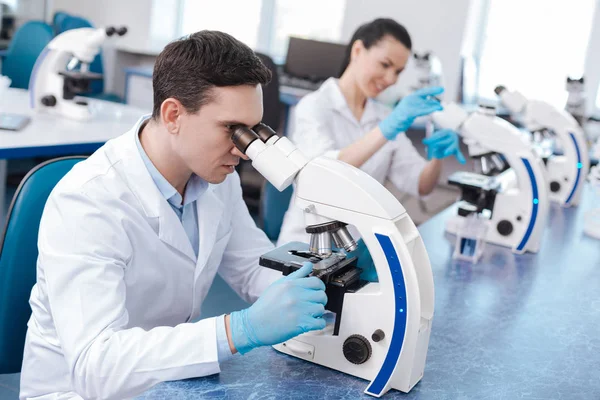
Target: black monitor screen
x,y
314,60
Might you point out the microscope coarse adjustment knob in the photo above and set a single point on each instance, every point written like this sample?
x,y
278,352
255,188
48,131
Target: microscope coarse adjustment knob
x,y
357,349
49,100
504,227
554,186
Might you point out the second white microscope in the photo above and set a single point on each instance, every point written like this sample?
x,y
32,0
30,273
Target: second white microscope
x,y
566,172
55,80
516,209
381,329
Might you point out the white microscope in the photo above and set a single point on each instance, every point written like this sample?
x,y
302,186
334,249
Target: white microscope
x,y
381,329
55,82
515,209
567,172
576,100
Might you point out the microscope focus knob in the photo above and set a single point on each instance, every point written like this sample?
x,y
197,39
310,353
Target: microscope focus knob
x,y
357,349
504,227
49,100
378,336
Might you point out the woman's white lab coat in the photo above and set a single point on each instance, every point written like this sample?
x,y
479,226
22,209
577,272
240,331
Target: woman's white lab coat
x,y
323,124
118,280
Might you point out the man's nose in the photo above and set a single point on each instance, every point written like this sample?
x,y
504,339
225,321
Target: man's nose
x,y
236,152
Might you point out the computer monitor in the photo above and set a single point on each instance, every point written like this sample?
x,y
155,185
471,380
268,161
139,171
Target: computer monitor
x,y
313,59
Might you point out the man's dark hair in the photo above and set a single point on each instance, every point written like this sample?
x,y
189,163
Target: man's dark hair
x,y
372,32
189,68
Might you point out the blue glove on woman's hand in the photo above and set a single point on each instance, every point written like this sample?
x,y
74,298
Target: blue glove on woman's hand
x,y
365,262
442,144
410,107
290,306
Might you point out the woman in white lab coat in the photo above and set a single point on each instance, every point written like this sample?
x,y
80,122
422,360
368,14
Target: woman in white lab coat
x,y
132,238
342,120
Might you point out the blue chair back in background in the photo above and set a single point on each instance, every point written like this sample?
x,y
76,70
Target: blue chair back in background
x,y
18,257
273,205
25,47
57,20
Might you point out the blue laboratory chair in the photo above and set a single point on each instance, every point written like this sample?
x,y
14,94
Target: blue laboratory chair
x,y
24,48
273,205
18,256
57,20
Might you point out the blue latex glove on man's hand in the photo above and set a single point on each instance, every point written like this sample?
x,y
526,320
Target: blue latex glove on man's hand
x,y
410,107
290,306
442,144
365,262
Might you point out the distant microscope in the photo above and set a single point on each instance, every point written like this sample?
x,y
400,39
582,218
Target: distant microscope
x,y
61,72
381,329
576,100
566,172
513,204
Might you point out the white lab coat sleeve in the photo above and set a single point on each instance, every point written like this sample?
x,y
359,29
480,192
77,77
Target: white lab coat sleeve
x,y
311,129
406,166
84,252
239,266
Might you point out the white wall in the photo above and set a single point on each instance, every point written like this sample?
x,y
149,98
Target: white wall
x,y
434,25
592,63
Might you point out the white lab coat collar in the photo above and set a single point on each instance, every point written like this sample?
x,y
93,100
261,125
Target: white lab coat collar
x,y
338,103
170,229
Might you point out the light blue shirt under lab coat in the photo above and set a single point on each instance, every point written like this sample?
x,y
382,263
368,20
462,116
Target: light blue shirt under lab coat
x,y
186,211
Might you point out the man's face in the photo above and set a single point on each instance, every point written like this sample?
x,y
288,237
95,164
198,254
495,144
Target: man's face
x,y
204,139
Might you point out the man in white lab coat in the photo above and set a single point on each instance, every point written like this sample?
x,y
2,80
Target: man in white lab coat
x,y
131,239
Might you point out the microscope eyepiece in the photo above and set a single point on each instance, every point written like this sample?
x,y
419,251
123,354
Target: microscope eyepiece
x,y
265,132
499,89
243,137
111,30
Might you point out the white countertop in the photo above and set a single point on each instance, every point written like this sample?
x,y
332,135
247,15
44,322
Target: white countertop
x,y
109,120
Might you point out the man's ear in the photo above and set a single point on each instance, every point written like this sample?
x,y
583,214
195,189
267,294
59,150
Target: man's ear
x,y
171,111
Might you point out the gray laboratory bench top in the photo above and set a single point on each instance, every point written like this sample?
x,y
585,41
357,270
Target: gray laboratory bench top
x,y
510,327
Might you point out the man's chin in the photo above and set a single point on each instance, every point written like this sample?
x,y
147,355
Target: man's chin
x,y
215,179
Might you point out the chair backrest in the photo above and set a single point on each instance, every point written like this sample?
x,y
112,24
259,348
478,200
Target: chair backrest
x,y
69,22
57,20
18,256
273,205
25,47
272,106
